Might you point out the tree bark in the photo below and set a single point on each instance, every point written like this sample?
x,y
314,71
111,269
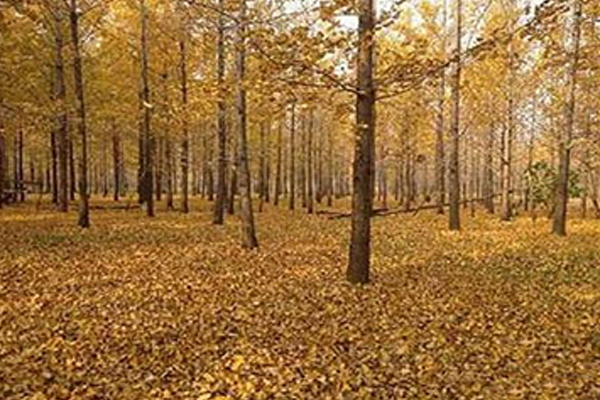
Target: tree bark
x,y
565,143
3,163
185,144
84,209
440,158
278,177
221,191
148,141
249,240
453,165
309,163
362,196
507,181
292,177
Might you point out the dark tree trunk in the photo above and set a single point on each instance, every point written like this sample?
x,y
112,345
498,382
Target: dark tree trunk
x,y
330,170
170,173
20,164
62,137
54,166
185,144
292,177
278,177
221,191
309,163
453,165
84,210
362,197
3,163
559,226
249,240
262,169
116,164
148,140
160,167
488,172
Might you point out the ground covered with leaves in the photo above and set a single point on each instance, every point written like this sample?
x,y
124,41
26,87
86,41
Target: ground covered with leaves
x,y
172,307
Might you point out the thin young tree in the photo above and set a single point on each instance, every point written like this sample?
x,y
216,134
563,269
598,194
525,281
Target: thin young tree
x,y
221,198
185,141
565,142
249,240
440,159
80,121
148,144
453,164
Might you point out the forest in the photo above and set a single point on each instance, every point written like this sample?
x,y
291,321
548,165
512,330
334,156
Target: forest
x,y
300,199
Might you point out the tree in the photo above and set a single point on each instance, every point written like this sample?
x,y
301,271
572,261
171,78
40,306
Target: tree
x,y
219,206
147,139
453,164
362,195
565,143
84,208
185,143
249,240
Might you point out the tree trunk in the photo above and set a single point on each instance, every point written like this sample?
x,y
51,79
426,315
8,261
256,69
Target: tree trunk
x,y
278,177
54,165
362,197
309,163
170,173
330,170
261,168
116,164
221,198
84,210
249,240
565,143
3,162
21,166
488,172
453,165
292,176
440,158
148,141
185,144
506,213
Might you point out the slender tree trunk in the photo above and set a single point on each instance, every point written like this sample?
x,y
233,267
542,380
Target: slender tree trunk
x,y
278,177
148,139
506,213
292,176
309,163
249,240
262,168
185,144
20,164
3,163
233,181
54,165
453,165
160,162
362,197
488,172
84,210
116,147
221,192
170,173
59,96
330,170
440,158
565,143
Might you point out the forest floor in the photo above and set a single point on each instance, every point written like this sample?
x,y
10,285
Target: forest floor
x,y
172,307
